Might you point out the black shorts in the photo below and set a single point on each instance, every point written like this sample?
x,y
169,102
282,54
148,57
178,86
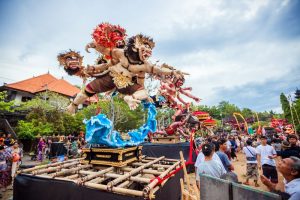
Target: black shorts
x,y
270,172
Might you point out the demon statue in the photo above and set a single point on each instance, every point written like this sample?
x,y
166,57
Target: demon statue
x,y
171,88
123,69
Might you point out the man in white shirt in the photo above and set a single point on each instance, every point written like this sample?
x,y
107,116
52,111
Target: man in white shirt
x,y
252,168
265,158
209,166
201,159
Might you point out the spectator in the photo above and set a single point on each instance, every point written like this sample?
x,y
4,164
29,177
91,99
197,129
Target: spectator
x,y
201,159
293,140
251,159
228,150
223,156
9,141
290,170
41,146
17,154
276,143
287,151
210,166
233,149
74,147
265,157
4,169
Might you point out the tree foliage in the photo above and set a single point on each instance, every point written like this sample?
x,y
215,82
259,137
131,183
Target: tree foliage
x,y
285,107
46,115
4,105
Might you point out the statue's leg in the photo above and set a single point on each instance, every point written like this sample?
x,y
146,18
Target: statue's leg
x,y
79,99
99,85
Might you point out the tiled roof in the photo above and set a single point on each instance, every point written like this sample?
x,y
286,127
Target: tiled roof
x,y
32,85
48,82
62,87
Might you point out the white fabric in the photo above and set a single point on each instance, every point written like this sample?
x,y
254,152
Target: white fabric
x,y
293,189
201,158
228,143
212,168
248,150
265,152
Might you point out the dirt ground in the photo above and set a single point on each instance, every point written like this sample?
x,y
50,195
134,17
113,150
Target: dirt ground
x,y
240,170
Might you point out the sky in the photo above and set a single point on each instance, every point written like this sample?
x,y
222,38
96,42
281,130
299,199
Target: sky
x,y
244,52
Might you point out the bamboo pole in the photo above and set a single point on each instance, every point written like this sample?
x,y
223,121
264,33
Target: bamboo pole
x,y
182,188
70,170
127,175
187,180
96,180
52,169
115,189
95,175
145,171
132,178
111,175
151,185
72,176
154,165
196,191
166,159
48,165
127,183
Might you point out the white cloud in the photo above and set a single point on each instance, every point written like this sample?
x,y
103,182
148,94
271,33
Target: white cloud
x,y
223,44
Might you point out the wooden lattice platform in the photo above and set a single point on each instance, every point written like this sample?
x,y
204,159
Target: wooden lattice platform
x,y
140,178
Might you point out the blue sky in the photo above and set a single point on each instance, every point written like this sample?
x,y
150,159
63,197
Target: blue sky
x,y
245,52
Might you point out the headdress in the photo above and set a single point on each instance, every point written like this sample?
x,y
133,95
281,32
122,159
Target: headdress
x,y
107,35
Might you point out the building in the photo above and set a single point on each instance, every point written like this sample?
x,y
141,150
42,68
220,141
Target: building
x,y
26,89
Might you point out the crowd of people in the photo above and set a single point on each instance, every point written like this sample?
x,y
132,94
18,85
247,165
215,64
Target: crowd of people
x,y
10,158
265,157
11,154
72,145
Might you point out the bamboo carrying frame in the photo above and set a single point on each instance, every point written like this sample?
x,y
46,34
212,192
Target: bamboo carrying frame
x,y
149,172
